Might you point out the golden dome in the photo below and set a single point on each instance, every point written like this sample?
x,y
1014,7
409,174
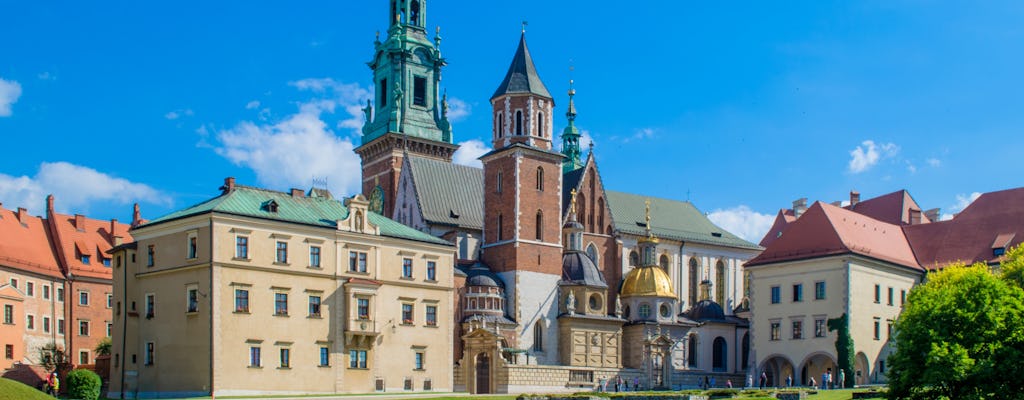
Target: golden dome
x,y
647,281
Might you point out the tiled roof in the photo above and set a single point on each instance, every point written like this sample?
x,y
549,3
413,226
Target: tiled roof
x,y
94,238
522,75
318,211
448,193
893,208
782,220
25,244
670,219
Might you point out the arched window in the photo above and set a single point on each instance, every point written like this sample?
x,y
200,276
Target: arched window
x,y
691,358
719,359
499,227
634,259
538,335
497,187
581,207
540,225
600,213
746,349
720,282
519,123
663,262
414,14
694,268
501,125
540,178
540,124
592,253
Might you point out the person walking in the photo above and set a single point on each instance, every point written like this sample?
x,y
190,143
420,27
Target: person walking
x,y
728,383
55,385
812,383
764,380
789,381
636,383
842,379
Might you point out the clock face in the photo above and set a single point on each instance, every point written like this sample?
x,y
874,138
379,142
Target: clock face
x,y
377,200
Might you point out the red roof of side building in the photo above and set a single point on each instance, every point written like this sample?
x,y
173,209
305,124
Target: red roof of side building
x,y
995,219
79,236
25,244
826,230
782,220
893,208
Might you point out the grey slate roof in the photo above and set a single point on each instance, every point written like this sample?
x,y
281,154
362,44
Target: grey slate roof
x,y
670,219
522,75
448,193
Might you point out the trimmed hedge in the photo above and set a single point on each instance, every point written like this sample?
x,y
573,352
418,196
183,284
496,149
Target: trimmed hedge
x,y
83,384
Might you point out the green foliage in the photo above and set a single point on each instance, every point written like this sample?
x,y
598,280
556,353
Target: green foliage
x,y
1012,266
14,390
83,384
961,336
53,358
844,346
103,347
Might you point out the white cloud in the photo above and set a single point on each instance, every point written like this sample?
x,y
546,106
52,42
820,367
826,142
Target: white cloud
x,y
458,109
252,104
469,151
9,93
868,154
46,76
173,115
640,134
911,167
585,140
934,162
962,201
75,188
350,97
743,222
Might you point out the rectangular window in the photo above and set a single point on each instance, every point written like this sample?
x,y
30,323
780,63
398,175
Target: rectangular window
x,y
891,297
193,246
106,262
46,292
241,300
819,290
903,296
110,300
325,356
878,294
798,329
776,295
314,306
242,247
888,332
418,361
820,329
431,270
881,366
497,187
86,260
110,329
314,256
46,324
150,256
14,283
60,326
798,292
83,328
83,298
878,330
282,252
30,322
357,261
192,298
431,315
407,268
8,314
419,91
286,355
363,308
357,359
150,305
150,353
30,289
280,303
776,331
407,314
60,294
9,351
83,357
382,99
254,356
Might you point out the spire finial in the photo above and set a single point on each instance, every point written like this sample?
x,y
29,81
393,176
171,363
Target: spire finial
x,y
524,26
572,202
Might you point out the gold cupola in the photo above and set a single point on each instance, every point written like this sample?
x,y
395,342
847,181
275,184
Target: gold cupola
x,y
648,279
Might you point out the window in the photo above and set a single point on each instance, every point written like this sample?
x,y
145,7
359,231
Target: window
x,y
150,353
776,295
407,313
645,310
357,261
30,288
519,122
664,310
499,227
14,283
890,296
720,282
540,124
106,262
497,187
693,282
363,308
30,322
9,351
878,330
418,361
431,270
86,260
46,324
286,356
888,332
193,244
60,326
83,357
254,356
798,292
46,292
819,290
903,296
282,253
83,298
431,315
281,304
83,328
691,358
150,305
776,331
419,91
9,314
798,329
110,329
383,97
242,247
192,300
820,329
538,335
325,356
60,294
540,178
241,300
407,268
110,300
881,366
314,306
540,226
150,255
357,359
501,125
314,256
878,294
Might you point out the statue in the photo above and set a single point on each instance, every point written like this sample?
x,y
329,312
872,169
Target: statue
x,y
570,303
618,307
368,111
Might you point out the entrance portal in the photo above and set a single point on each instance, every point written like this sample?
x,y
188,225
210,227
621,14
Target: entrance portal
x,y
483,374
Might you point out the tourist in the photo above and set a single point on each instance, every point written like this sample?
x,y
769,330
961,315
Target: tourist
x,y
618,383
812,383
712,382
636,383
842,379
728,383
764,379
601,384
789,380
750,381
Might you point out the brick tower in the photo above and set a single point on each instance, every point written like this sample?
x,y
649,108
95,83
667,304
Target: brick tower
x,y
522,204
410,114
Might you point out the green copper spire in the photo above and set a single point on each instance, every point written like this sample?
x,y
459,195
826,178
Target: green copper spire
x,y
571,137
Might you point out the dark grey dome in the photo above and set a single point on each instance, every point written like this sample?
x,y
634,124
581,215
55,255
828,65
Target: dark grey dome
x,y
579,269
482,280
572,224
706,310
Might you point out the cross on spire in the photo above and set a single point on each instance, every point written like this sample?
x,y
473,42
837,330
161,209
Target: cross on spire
x,y
524,26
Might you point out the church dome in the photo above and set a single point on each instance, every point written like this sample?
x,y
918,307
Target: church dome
x,y
579,269
647,281
706,310
480,275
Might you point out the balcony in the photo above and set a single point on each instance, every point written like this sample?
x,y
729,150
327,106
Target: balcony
x,y
361,332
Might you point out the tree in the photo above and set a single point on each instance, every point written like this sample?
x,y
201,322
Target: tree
x,y
103,347
53,358
1012,267
844,346
961,336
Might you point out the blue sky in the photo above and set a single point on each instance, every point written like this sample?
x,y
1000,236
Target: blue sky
x,y
740,107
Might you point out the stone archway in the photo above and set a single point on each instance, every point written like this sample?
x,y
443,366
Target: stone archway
x,y
816,364
483,374
862,370
777,368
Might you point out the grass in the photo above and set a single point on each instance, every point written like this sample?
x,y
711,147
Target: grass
x,y
14,390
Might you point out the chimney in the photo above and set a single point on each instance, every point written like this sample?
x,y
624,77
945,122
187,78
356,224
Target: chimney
x,y
297,193
229,185
854,198
136,216
49,204
933,215
113,226
22,215
80,222
837,203
799,206
915,216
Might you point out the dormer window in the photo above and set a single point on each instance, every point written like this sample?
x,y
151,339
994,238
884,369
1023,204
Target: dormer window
x,y
1001,243
270,206
998,251
86,260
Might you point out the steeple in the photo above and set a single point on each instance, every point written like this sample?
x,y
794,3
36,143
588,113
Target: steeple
x,y
522,105
522,77
648,245
573,230
571,137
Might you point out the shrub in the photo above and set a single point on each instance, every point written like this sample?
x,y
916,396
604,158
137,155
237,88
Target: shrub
x,y
83,384
722,392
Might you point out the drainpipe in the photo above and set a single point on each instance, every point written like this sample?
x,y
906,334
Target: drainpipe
x,y
211,307
124,317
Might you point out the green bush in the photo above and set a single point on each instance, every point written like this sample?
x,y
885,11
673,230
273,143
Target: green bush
x,y
722,392
83,384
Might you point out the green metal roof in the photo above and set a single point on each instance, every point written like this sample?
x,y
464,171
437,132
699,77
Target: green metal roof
x,y
448,193
670,219
317,211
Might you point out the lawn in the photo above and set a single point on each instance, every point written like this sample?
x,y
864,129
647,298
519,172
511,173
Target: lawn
x,y
14,390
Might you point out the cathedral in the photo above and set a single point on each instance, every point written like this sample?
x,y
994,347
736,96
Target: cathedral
x,y
560,284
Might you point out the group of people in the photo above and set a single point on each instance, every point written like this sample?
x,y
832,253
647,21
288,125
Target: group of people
x,y
620,385
52,385
828,381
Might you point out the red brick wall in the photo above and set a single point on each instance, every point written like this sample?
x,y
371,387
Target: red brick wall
x,y
530,126
96,313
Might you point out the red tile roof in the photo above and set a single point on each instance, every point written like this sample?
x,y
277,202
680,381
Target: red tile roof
x,y
782,220
93,238
25,244
893,208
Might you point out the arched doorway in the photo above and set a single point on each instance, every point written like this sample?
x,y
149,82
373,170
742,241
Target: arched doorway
x,y
860,366
777,368
746,351
815,365
719,355
483,374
